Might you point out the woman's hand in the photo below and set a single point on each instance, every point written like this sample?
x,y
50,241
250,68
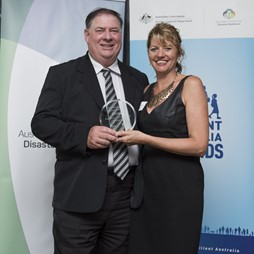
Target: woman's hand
x,y
131,137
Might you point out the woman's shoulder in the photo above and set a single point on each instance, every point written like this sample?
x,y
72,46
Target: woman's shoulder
x,y
192,79
192,88
191,82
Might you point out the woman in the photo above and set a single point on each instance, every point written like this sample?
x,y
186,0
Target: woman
x,y
173,123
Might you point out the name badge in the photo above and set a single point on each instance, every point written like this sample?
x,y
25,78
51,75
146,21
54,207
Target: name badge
x,y
142,105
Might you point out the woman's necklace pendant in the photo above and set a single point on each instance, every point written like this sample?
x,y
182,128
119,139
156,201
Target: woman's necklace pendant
x,y
164,94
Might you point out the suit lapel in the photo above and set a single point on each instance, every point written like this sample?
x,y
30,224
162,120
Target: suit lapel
x,y
129,86
88,78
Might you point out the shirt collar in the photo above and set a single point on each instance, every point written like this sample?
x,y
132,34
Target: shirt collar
x,y
98,67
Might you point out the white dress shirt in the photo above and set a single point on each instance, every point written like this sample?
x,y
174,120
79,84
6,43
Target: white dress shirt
x,y
118,85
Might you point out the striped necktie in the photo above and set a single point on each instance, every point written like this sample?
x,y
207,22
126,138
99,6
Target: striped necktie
x,y
120,150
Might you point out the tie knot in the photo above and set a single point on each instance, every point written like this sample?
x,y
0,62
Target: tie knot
x,y
105,72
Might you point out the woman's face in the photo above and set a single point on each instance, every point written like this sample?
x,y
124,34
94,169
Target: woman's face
x,y
164,57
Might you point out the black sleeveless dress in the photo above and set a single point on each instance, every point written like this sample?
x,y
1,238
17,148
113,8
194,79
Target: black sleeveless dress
x,y
169,219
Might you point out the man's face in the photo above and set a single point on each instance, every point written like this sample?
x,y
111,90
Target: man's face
x,y
104,39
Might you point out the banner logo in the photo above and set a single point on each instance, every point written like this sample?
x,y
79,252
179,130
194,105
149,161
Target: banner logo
x,y
215,146
168,18
229,14
146,18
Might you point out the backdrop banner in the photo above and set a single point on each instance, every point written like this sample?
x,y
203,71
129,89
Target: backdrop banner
x,y
218,37
34,35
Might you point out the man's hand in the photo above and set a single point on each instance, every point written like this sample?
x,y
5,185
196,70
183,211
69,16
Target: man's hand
x,y
100,137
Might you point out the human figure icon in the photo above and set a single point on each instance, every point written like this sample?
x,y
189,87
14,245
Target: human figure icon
x,y
215,107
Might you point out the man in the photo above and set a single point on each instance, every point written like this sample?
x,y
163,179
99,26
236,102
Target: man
x,y
91,203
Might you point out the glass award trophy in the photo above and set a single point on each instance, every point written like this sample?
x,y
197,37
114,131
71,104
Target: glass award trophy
x,y
118,115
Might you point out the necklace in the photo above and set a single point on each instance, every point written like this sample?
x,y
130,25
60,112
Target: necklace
x,y
164,94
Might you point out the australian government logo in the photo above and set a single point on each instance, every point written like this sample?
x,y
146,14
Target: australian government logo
x,y
167,18
146,18
229,18
215,146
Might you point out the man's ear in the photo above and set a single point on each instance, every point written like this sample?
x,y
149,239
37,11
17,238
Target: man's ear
x,y
86,34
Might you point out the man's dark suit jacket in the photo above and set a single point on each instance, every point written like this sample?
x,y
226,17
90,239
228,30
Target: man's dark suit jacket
x,y
69,105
